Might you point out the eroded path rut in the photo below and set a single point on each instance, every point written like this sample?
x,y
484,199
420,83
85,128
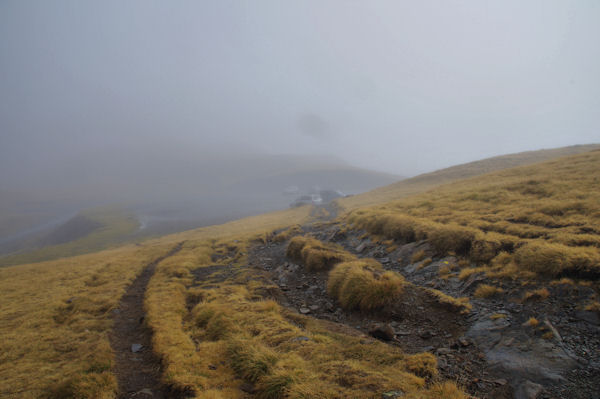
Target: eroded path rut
x,y
138,373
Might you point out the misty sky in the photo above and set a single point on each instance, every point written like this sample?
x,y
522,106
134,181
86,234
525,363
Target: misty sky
x,y
398,86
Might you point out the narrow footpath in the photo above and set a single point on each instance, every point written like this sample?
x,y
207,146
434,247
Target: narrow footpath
x,y
137,369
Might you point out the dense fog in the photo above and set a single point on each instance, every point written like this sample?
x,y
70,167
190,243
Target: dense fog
x,y
212,110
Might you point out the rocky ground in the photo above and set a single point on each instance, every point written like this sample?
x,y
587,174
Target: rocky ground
x,y
489,351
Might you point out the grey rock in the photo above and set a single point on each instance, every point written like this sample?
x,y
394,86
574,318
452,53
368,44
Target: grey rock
x,y
136,347
443,351
302,338
145,391
392,394
361,247
304,310
590,317
528,390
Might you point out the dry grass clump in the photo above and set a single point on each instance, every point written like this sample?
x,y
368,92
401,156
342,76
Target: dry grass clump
x,y
315,254
541,218
487,291
497,316
287,233
593,306
460,305
555,259
466,273
418,256
536,295
532,322
364,285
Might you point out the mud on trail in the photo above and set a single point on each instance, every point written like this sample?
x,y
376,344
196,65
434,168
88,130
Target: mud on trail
x,y
137,368
489,352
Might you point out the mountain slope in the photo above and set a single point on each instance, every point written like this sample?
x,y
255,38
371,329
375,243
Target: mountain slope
x,y
240,309
427,181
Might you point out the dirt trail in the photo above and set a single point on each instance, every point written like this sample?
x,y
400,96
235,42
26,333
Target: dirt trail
x,y
138,373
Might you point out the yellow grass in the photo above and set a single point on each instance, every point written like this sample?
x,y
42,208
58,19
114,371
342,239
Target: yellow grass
x,y
54,321
253,339
56,315
461,305
540,218
532,322
486,291
427,181
364,285
536,295
315,254
593,306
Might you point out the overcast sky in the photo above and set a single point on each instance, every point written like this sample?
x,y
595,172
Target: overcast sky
x,y
398,86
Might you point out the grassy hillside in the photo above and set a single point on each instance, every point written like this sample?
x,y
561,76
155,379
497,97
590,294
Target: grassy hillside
x,y
215,325
541,218
427,181
88,231
56,315
54,321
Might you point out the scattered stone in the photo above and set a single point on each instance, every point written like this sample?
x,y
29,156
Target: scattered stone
x,y
145,391
403,333
385,261
136,347
384,332
528,390
392,394
304,310
247,387
426,334
443,351
590,317
361,247
464,342
212,367
500,381
314,307
302,338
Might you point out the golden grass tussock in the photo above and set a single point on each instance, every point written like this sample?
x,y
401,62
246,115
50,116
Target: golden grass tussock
x,y
532,322
536,295
461,305
593,306
316,255
539,219
54,322
487,291
555,259
418,256
364,285
287,233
